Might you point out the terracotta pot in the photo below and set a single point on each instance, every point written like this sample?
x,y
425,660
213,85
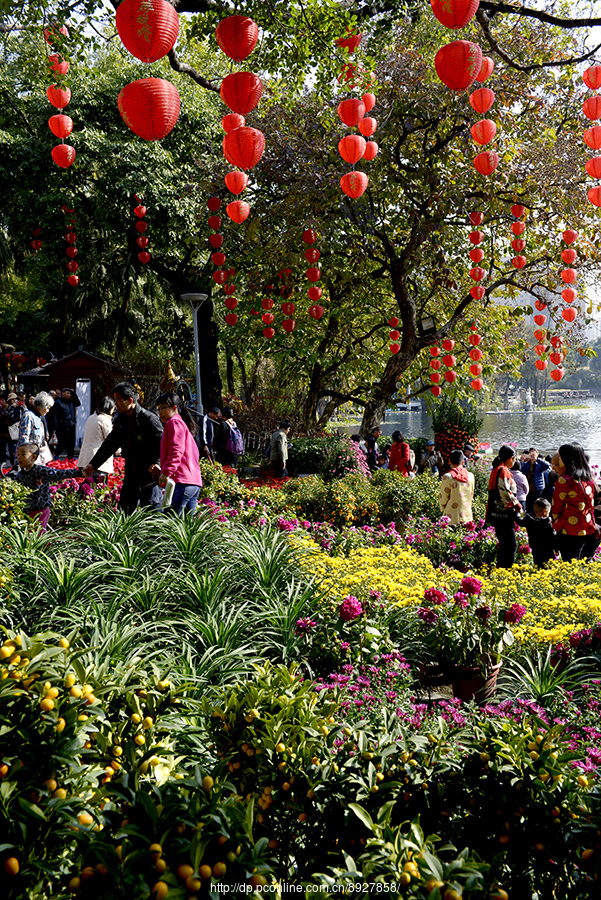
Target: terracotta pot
x,y
474,684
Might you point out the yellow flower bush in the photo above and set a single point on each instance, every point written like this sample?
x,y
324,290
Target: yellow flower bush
x,y
559,600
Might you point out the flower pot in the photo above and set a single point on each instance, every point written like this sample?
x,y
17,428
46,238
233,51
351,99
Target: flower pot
x,y
474,684
433,673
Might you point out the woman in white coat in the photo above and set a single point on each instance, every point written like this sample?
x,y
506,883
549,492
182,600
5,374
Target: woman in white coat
x,y
97,428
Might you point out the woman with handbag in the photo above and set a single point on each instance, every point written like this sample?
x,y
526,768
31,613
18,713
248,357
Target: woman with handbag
x,y
502,507
33,429
573,505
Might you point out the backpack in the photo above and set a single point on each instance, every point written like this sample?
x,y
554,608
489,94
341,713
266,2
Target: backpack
x,y
235,442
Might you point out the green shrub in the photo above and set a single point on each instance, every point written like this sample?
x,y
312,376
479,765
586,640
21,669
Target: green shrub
x,y
306,455
398,497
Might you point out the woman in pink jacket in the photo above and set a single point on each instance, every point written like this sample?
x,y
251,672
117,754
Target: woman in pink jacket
x,y
179,454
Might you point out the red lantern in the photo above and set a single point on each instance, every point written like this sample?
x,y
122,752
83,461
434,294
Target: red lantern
x,y
592,77
36,244
229,289
354,184
478,292
592,107
237,36
351,41
518,262
316,312
213,222
556,341
557,374
540,305
570,235
540,320
436,390
476,254
449,360
448,344
267,303
72,266
474,339
231,318
57,64
219,276
593,167
394,348
309,236
476,354
147,28
568,256
592,137
288,308
486,69
450,376
477,384
393,322
367,126
73,280
477,273
63,155
351,148
216,240
594,195
218,259
458,63
140,211
486,162
351,111
435,364
476,218
243,147
268,318
569,295
73,251
556,358
476,369
541,364
569,314
60,125
231,121
481,100
288,325
476,237
50,34
230,303
371,150
394,335
313,274
518,244
568,275
435,377
484,131
241,91
143,256
518,228
58,97
236,182
435,351
456,13
369,101
312,254
149,107
314,294
214,204
238,211
70,237
268,333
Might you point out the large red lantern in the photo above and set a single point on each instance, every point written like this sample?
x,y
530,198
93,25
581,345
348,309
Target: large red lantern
x,y
540,320
569,314
57,64
354,184
316,311
556,358
540,305
73,280
238,211
518,228
243,147
436,390
486,69
568,256
476,237
476,217
593,167
448,344
371,150
147,28
477,384
569,295
288,325
351,41
231,121
477,273
592,77
557,374
592,137
237,36
149,107
369,101
482,100
367,126
476,254
314,293
594,195
58,97
486,162
484,132
476,369
541,364
241,91
351,148
454,13
518,244
60,125
569,235
50,35
592,107
236,182
478,292
63,155
458,63
351,111
517,210
450,376
518,262
568,275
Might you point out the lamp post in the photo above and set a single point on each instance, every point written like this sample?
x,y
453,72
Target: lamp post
x,y
196,301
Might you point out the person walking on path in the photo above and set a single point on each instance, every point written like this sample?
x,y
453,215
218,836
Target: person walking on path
x,y
179,454
96,430
534,468
138,433
230,443
210,428
457,491
278,449
502,507
572,507
400,455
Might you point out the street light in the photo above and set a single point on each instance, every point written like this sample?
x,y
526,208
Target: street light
x,y
196,301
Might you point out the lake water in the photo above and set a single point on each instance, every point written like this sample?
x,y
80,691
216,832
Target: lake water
x,y
545,430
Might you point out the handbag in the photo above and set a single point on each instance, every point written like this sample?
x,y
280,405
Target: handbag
x,y
13,432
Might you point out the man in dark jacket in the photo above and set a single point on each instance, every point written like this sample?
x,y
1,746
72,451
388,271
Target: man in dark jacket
x,y
64,422
138,433
535,468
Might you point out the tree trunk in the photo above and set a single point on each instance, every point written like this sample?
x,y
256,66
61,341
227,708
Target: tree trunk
x,y
208,335
229,368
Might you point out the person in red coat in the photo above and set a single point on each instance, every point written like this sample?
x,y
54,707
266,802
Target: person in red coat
x,y
179,454
400,455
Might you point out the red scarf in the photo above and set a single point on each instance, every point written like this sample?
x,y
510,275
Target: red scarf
x,y
459,473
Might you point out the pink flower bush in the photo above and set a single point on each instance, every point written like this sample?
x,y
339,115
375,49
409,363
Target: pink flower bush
x,y
433,595
515,614
471,585
350,608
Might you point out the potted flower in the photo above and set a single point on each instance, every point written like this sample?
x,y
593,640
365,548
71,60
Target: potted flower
x,y
470,633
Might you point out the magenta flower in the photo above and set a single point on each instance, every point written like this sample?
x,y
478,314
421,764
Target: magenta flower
x,y
462,599
429,616
483,613
432,595
350,608
515,613
471,585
